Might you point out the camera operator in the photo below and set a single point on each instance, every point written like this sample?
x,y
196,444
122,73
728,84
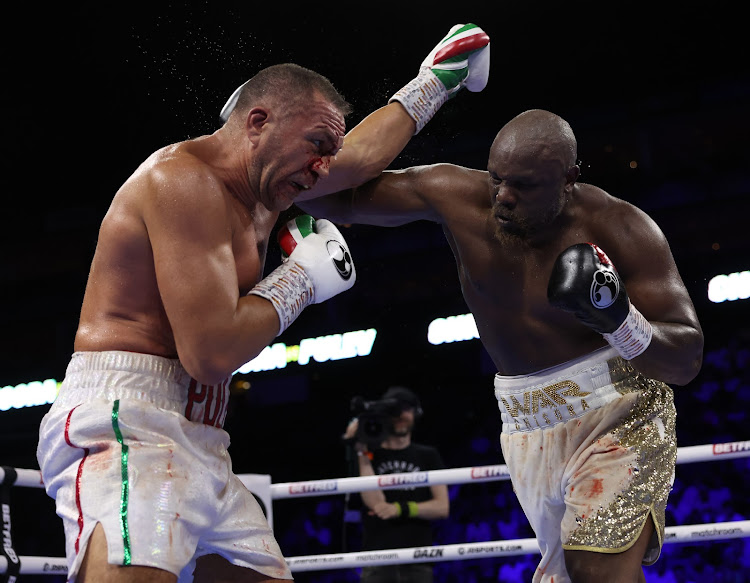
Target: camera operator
x,y
396,518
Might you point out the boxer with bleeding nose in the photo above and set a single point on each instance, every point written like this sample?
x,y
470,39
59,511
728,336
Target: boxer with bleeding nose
x,y
133,449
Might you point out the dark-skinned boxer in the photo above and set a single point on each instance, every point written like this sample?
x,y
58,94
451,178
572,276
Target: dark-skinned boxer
x,y
581,307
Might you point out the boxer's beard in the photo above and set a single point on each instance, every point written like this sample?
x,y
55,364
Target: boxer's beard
x,y
521,229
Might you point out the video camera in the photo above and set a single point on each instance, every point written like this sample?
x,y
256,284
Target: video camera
x,y
375,418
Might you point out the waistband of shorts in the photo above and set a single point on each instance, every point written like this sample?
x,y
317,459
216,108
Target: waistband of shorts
x,y
155,379
560,393
128,361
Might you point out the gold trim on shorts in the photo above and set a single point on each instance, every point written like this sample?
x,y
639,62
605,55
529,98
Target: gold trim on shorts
x,y
649,430
559,394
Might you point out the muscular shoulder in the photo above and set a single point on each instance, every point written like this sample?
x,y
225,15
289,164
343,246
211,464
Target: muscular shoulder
x,y
174,183
602,207
176,167
619,226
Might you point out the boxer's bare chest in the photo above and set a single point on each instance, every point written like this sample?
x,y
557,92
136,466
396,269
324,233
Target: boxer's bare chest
x,y
504,284
508,278
250,235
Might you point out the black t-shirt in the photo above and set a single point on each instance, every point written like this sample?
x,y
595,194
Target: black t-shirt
x,y
402,531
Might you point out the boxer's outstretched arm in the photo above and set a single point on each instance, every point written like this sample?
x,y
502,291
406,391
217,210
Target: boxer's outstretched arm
x,y
460,60
396,197
369,148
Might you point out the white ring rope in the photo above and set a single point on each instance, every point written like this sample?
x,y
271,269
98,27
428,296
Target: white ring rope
x,y
685,455
498,548
455,552
435,553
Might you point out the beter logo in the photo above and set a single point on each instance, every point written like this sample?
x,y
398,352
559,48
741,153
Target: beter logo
x,y
737,446
341,258
305,487
400,479
604,288
488,472
7,541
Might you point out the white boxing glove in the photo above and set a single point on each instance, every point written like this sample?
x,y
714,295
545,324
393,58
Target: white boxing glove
x,y
461,59
316,266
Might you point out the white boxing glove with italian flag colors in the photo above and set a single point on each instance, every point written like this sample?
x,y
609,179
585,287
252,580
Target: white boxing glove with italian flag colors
x,y
316,265
461,59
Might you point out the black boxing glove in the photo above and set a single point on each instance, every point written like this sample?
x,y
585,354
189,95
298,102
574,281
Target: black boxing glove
x,y
585,282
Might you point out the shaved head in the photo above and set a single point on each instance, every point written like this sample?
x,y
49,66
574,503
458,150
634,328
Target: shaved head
x,y
289,87
541,134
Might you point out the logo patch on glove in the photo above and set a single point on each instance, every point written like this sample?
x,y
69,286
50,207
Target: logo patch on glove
x,y
604,288
341,258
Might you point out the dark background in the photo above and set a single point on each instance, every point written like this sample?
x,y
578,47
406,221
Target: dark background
x,y
93,90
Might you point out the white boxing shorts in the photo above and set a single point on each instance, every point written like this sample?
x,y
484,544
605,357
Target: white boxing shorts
x,y
590,446
135,444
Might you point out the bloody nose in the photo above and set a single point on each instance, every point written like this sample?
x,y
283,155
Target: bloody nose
x,y
321,166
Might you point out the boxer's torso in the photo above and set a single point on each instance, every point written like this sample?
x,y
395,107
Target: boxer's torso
x,y
122,307
504,282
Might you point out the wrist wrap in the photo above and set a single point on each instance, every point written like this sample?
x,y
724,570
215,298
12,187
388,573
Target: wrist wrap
x,y
290,291
633,336
422,97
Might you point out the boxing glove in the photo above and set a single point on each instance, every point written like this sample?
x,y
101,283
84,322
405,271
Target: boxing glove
x,y
585,282
461,59
316,266
293,232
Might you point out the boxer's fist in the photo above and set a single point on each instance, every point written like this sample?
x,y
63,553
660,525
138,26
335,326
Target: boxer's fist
x,y
460,59
316,266
585,282
322,253
293,232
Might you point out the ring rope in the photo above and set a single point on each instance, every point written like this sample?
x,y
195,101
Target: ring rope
x,y
453,552
685,455
509,548
675,534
